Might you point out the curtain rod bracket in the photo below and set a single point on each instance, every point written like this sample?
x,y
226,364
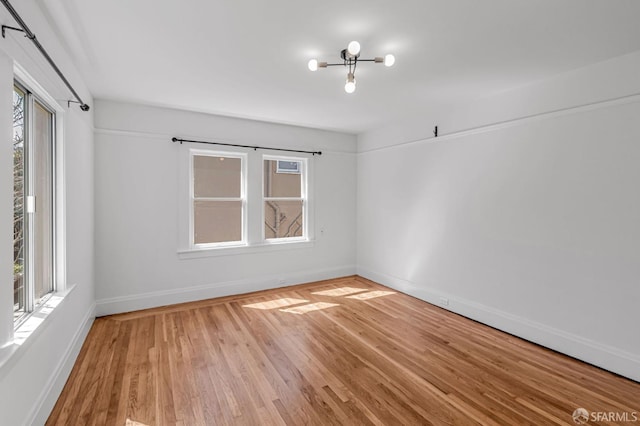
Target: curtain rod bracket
x,y
9,27
83,106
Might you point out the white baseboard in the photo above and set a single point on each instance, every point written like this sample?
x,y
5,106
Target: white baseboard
x,y
154,299
51,392
607,357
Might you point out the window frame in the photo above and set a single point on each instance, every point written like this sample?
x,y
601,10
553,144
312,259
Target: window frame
x,y
33,93
255,242
243,199
304,197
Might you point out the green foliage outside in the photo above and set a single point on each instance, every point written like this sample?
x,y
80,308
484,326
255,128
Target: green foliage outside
x,y
18,196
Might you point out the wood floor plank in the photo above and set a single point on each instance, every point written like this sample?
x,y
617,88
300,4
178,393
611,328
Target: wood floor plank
x,y
344,352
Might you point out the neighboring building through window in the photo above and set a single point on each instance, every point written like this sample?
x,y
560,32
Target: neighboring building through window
x,y
33,201
284,198
218,199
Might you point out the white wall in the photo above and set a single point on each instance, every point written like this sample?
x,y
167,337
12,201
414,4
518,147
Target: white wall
x,y
531,226
137,209
32,374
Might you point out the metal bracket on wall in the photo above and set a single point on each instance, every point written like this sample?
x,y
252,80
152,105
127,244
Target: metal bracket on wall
x,y
83,106
7,27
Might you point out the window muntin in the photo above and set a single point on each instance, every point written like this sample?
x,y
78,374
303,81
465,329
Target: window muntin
x,y
218,200
284,198
34,159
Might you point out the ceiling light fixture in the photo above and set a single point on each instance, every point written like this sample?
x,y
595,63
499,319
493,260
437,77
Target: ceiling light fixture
x,y
350,57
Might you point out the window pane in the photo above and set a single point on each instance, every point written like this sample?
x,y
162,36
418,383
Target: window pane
x,y
18,203
283,181
217,221
216,176
283,219
43,191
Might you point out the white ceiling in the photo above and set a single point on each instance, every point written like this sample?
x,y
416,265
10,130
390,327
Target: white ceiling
x,y
248,58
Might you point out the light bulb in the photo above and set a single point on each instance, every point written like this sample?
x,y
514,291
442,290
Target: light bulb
x,y
353,48
313,64
350,85
389,60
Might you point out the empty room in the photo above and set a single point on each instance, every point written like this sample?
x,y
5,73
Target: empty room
x,y
325,213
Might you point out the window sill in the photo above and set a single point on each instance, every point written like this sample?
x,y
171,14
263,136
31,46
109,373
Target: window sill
x,y
30,327
245,249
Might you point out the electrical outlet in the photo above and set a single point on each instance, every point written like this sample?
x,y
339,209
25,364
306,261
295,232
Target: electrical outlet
x,y
444,301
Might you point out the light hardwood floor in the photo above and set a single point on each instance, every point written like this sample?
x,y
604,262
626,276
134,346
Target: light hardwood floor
x,y
345,351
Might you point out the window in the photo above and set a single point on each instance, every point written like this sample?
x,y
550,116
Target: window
x,y
243,202
218,200
284,198
33,201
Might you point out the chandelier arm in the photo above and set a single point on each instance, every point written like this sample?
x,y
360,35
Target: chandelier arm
x,y
345,63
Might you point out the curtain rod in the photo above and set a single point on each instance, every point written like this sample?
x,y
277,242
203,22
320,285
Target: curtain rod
x,y
31,36
254,147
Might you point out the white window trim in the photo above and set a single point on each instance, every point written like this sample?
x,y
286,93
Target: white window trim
x,y
243,198
303,196
31,321
30,327
248,249
254,237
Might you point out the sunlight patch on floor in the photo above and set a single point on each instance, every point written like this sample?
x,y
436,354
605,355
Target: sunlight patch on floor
x,y
342,291
276,303
371,295
299,310
130,422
